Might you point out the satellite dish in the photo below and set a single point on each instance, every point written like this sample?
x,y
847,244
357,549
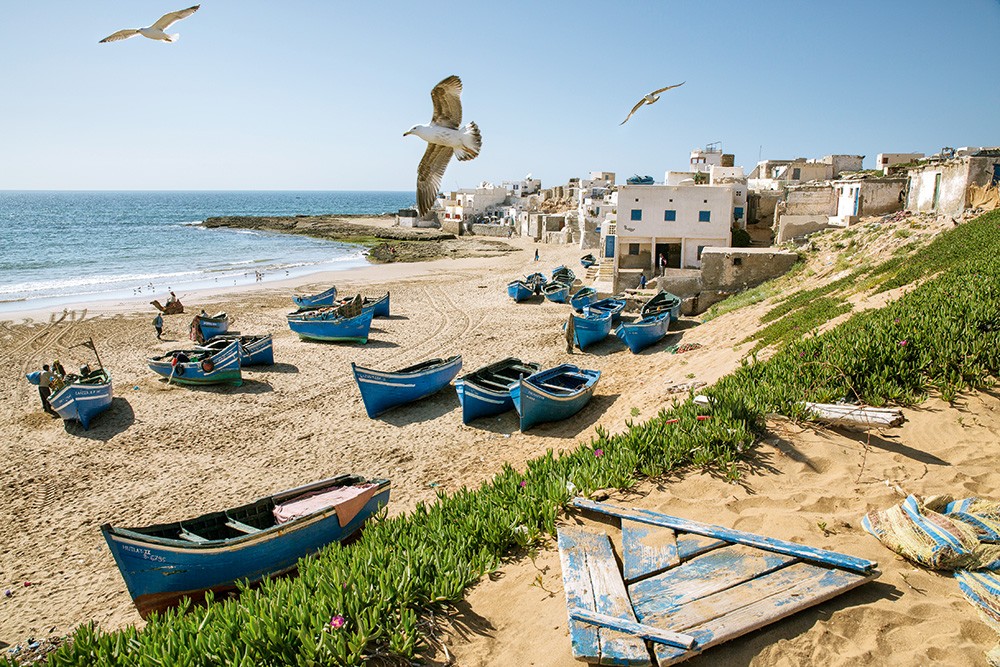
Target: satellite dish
x,y
528,177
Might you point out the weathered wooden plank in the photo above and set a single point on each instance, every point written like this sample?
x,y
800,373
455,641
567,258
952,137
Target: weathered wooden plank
x,y
593,583
751,606
690,545
702,576
638,629
647,549
729,535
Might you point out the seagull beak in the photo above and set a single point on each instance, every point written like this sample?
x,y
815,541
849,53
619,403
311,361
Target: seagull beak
x,y
406,133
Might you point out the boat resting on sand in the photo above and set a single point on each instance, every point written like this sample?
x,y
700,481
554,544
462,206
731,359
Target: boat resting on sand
x,y
331,324
641,334
83,397
536,281
583,297
588,261
213,325
520,290
553,394
563,274
164,563
380,304
384,390
199,367
486,391
556,292
592,326
324,298
255,350
662,301
610,305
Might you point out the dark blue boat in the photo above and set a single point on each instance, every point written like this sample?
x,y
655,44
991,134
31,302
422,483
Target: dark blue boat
x,y
519,290
164,563
383,390
536,281
557,292
610,305
563,275
486,391
583,297
213,325
83,397
643,333
663,302
379,304
592,326
255,350
200,366
325,298
326,324
553,394
588,261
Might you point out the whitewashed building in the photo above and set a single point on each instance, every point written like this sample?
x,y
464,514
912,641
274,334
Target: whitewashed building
x,y
884,161
468,205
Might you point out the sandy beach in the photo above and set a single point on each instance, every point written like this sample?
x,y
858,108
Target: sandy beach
x,y
166,452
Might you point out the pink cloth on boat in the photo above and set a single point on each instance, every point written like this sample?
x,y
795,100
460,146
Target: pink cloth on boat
x,y
347,500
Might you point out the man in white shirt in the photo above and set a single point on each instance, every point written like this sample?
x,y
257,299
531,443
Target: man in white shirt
x,y
44,382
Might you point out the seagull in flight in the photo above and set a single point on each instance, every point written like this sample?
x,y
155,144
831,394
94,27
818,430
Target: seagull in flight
x,y
444,137
649,99
155,31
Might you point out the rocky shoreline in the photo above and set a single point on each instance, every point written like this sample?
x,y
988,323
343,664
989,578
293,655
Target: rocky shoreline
x,y
387,243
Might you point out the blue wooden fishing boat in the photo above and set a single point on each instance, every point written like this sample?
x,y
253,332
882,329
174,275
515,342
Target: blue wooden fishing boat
x,y
639,180
553,394
592,326
536,281
663,302
383,390
327,324
325,298
563,275
610,305
379,304
256,350
588,261
83,397
583,297
556,291
486,391
197,367
213,325
520,290
643,333
164,563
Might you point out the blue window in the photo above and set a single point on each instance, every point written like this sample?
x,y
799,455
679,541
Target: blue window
x,y
704,216
701,248
669,216
738,212
637,214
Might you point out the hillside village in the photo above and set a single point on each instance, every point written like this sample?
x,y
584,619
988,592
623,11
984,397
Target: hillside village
x,y
717,229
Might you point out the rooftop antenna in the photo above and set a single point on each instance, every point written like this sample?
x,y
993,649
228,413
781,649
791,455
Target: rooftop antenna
x,y
759,151
713,147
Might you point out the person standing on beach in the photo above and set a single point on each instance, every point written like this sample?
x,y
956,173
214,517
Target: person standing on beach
x,y
536,254
45,379
158,324
642,280
663,264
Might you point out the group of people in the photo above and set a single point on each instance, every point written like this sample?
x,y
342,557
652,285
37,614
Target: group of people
x,y
49,380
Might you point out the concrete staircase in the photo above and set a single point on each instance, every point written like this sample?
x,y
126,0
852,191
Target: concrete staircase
x,y
604,280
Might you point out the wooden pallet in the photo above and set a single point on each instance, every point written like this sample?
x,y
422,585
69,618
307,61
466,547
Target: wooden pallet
x,y
686,586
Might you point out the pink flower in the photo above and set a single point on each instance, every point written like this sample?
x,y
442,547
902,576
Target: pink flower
x,y
902,343
598,453
337,622
896,320
524,483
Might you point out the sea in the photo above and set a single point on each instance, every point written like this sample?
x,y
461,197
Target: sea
x,y
61,248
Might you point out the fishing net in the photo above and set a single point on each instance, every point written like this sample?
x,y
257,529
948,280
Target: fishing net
x,y
351,308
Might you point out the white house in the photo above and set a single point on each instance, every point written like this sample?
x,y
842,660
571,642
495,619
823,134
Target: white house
x,y
884,161
468,204
677,221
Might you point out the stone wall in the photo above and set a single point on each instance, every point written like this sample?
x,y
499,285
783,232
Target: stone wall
x,y
452,227
501,231
735,269
792,226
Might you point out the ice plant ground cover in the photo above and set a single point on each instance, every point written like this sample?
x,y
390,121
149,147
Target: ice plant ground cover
x,y
351,604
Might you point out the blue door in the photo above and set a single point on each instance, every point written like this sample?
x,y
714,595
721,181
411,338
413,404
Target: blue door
x,y
609,246
996,174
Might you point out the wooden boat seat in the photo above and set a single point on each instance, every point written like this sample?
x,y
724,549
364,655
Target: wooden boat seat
x,y
191,537
555,387
242,527
492,384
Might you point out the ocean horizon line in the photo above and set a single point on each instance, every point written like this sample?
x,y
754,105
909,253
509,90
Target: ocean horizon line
x,y
70,190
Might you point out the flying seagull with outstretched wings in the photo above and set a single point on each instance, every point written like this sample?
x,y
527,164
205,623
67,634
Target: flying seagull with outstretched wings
x,y
445,137
649,99
155,31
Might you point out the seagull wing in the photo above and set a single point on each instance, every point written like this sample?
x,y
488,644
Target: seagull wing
x,y
429,175
119,36
657,92
168,20
634,109
447,100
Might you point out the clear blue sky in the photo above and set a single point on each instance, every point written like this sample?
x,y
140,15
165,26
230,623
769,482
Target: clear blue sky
x,y
316,94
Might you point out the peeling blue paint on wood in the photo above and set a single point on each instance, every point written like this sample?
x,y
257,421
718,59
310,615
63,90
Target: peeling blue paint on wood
x,y
647,549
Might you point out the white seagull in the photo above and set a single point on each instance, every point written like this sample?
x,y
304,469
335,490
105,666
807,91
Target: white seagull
x,y
444,137
649,99
155,31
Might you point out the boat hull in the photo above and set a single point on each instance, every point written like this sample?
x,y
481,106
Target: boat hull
x,y
254,350
536,404
640,335
613,306
519,290
82,402
312,301
225,368
591,327
159,575
663,301
479,400
384,390
213,326
350,329
583,298
556,292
